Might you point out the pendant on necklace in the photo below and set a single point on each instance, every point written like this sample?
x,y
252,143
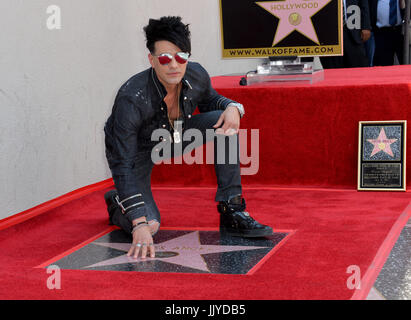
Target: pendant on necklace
x,y
176,136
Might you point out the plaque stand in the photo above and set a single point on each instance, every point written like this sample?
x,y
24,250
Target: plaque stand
x,y
281,69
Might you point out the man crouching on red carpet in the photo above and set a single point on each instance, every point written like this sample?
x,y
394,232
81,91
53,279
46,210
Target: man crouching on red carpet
x,y
164,97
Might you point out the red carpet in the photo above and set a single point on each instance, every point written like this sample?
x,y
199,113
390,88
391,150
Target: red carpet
x,y
309,134
308,137
334,229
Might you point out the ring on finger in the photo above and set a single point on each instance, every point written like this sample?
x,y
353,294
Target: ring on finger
x,y
138,245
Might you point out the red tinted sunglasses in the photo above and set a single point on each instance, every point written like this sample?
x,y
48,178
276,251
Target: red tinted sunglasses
x,y
166,58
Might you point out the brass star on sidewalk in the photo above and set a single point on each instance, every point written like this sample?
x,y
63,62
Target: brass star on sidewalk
x,y
185,250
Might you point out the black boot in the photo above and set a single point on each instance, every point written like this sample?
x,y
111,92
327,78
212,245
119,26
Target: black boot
x,y
235,221
111,203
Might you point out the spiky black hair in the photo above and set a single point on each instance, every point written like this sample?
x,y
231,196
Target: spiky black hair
x,y
168,28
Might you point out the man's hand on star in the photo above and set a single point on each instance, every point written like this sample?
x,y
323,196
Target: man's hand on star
x,y
142,239
230,121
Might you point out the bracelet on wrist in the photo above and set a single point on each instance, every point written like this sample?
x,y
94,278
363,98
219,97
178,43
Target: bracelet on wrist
x,y
139,225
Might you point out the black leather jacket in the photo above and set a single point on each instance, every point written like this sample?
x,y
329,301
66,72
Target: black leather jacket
x,y
138,110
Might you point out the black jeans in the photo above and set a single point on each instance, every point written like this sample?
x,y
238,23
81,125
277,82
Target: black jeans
x,y
227,173
389,41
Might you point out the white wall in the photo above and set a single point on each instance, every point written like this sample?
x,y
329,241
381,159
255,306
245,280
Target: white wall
x,y
57,86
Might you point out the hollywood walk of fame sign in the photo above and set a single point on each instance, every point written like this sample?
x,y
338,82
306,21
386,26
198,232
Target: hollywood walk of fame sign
x,y
252,28
177,251
381,155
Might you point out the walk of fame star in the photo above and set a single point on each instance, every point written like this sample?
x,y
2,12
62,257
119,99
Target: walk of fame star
x,y
176,251
294,15
185,250
382,143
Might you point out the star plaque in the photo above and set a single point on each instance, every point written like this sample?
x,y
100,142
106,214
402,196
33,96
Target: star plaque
x,y
381,155
281,28
177,251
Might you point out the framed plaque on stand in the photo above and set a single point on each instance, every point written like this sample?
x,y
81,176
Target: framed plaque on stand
x,y
303,28
382,155
282,32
